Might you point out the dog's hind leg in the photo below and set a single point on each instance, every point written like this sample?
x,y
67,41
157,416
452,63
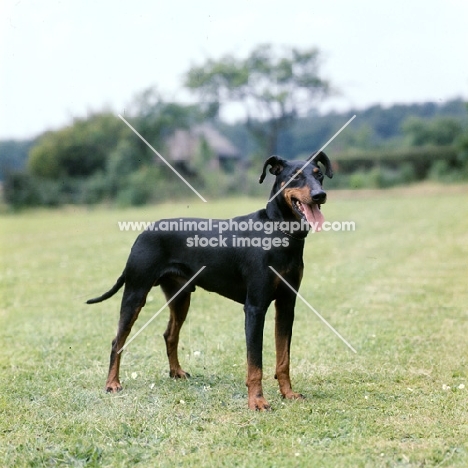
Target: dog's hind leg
x,y
178,312
133,301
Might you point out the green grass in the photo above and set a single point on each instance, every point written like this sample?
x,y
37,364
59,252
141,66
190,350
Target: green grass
x,y
395,288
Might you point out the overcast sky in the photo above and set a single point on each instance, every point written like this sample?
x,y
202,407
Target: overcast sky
x,y
60,59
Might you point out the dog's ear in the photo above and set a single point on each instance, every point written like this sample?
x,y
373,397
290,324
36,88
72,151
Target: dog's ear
x,y
277,165
323,158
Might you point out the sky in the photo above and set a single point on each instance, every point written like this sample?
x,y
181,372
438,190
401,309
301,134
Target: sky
x,y
64,59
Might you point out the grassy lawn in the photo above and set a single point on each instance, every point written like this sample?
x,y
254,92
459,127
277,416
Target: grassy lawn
x,y
396,289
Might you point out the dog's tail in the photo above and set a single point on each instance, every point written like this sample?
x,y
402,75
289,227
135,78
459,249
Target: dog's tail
x,y
119,283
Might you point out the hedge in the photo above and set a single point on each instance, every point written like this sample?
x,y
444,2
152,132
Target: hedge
x,y
421,158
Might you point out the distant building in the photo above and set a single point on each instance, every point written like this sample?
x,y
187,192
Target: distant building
x,y
187,148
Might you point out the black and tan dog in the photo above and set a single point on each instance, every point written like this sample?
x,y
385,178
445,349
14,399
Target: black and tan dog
x,y
236,270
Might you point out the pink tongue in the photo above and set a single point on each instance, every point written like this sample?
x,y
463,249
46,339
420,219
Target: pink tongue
x,y
314,216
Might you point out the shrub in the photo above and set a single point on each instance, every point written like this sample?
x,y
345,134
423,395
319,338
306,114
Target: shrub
x,y
381,177
95,189
358,180
139,188
421,158
20,190
407,173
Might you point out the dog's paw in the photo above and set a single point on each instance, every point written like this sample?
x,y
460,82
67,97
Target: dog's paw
x,y
113,387
179,374
294,396
259,403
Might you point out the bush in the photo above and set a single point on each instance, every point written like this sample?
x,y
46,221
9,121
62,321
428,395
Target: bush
x,y
78,150
139,188
442,172
51,193
358,180
407,173
420,158
382,177
439,170
20,190
95,189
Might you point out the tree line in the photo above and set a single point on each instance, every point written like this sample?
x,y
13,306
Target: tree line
x,y
98,159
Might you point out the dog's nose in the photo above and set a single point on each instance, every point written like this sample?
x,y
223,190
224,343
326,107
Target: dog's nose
x,y
319,197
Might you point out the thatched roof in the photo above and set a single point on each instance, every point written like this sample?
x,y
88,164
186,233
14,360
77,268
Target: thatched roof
x,y
183,144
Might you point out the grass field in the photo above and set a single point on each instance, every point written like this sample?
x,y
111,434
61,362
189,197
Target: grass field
x,y
396,289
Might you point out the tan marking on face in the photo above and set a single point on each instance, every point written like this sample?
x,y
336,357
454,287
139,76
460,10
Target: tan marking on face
x,y
316,169
301,194
282,184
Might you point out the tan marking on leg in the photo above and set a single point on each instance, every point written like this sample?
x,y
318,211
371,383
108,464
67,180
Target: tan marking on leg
x,y
178,313
283,346
256,400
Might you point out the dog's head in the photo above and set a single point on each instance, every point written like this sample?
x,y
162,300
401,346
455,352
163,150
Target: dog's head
x,y
298,185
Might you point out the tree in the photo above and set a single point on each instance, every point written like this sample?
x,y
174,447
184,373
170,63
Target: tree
x,y
441,131
88,144
78,150
156,119
275,88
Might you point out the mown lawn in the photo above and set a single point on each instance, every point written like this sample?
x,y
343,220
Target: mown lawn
x,y
396,289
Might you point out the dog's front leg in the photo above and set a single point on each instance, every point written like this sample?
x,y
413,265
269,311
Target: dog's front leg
x,y
284,304
254,323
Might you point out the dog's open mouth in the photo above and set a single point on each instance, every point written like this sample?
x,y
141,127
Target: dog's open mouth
x,y
311,213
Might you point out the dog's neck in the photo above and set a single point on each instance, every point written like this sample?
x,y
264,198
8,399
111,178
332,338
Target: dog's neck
x,y
278,211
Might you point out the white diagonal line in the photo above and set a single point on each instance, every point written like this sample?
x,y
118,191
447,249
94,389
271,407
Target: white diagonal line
x,y
162,159
313,157
314,311
161,309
